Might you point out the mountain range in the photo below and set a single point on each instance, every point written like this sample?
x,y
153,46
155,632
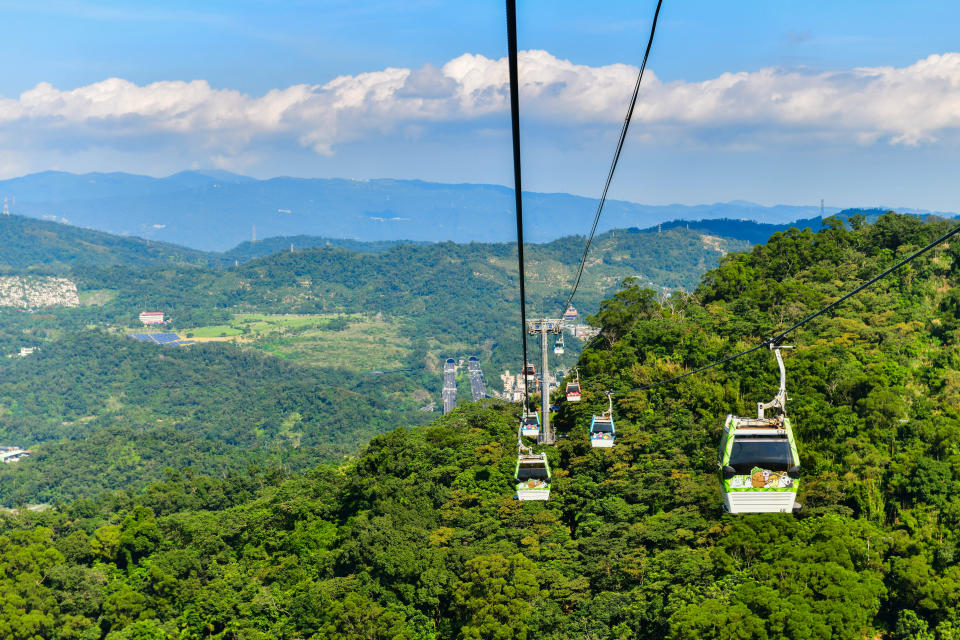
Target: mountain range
x,y
216,210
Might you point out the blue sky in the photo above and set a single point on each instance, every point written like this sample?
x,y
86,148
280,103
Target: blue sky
x,y
247,86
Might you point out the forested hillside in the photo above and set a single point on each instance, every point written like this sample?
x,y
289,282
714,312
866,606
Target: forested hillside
x,y
263,248
420,536
337,316
448,292
51,247
106,412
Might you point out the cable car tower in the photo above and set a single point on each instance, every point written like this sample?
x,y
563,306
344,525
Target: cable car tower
x,y
544,327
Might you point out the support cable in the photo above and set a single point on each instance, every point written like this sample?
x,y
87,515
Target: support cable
x,y
517,190
613,164
777,339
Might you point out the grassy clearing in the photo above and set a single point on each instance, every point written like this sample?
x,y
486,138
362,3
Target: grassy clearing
x,y
218,331
96,297
351,341
366,344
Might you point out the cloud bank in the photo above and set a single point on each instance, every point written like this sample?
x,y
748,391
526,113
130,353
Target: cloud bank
x,y
917,104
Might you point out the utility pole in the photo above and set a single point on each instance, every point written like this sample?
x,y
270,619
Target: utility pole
x,y
545,327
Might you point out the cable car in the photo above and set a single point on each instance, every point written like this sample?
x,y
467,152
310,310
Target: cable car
x,y
533,477
558,345
530,424
530,373
757,460
602,431
573,390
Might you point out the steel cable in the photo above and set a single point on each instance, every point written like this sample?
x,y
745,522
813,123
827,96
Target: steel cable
x,y
613,164
518,192
777,339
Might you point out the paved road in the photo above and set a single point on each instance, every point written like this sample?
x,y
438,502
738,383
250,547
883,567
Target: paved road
x,y
478,386
449,386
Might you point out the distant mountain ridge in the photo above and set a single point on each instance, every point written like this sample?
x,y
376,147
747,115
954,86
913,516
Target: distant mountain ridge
x,y
216,210
42,246
48,247
759,232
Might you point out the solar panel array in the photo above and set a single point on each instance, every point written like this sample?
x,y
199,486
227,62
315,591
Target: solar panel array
x,y
166,339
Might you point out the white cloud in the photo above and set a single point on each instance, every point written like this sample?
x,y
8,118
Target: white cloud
x,y
901,106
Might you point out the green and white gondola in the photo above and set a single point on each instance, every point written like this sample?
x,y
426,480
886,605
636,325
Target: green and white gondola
x,y
759,466
758,461
533,477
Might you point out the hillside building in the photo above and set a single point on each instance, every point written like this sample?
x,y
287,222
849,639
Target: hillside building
x,y
13,454
151,317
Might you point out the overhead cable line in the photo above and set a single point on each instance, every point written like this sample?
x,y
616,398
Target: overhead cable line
x,y
777,339
613,164
517,190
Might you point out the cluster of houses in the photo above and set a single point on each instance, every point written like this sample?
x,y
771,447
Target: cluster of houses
x,y
34,292
13,454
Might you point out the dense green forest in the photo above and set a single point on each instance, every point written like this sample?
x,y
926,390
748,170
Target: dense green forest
x,y
86,395
435,301
268,246
51,247
420,537
104,411
453,294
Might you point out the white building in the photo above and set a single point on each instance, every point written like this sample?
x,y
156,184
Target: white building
x,y
151,317
12,454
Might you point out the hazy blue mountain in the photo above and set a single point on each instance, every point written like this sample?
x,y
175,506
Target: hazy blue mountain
x,y
215,210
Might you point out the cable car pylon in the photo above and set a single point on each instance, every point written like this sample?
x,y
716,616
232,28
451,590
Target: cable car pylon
x,y
544,327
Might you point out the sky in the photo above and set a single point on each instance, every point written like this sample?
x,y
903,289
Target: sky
x,y
762,100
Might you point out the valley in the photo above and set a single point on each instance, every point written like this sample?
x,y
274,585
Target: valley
x,y
254,478
695,380
366,327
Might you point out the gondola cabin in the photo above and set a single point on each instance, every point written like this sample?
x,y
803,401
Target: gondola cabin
x,y
759,465
602,432
530,373
533,477
757,460
558,345
530,424
573,392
